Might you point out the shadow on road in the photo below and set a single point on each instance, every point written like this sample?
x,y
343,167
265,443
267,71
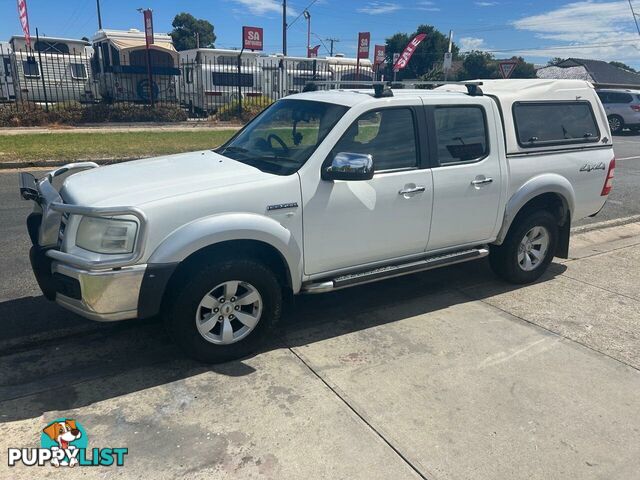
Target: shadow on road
x,y
74,369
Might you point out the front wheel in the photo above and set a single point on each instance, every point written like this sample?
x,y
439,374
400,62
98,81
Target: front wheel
x,y
527,250
225,310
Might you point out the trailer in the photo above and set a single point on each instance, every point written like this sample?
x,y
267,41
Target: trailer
x,y
54,70
214,77
7,88
121,66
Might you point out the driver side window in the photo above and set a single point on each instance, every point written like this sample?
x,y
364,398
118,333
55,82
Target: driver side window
x,y
388,135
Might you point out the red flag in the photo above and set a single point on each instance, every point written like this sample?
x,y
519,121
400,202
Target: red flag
x,y
24,20
313,52
411,47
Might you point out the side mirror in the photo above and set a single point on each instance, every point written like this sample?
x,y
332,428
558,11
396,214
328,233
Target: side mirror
x,y
349,166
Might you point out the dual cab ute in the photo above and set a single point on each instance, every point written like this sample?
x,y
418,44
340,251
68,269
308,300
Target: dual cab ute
x,y
321,191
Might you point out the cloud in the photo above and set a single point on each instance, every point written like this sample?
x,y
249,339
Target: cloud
x,y
263,7
470,43
379,8
486,4
587,29
426,6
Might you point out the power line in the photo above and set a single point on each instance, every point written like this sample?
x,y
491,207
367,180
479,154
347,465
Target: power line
x,y
635,16
302,13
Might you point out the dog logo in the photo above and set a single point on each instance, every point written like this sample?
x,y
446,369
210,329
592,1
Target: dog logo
x,y
64,443
65,433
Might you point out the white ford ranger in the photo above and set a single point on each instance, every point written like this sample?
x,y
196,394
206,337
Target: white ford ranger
x,y
321,191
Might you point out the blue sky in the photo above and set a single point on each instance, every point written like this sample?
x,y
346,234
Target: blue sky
x,y
538,30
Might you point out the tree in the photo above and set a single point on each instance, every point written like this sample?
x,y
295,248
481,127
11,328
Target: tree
x,y
478,64
554,61
429,53
623,66
185,30
523,69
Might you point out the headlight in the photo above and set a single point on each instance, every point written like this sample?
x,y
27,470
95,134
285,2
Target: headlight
x,y
105,235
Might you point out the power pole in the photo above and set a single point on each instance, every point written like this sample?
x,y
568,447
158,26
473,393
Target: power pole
x,y
332,40
284,27
635,16
99,15
307,16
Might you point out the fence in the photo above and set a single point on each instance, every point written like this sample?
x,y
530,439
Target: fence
x,y
200,83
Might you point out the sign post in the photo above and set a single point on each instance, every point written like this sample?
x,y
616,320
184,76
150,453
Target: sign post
x,y
396,56
507,67
364,39
149,37
252,39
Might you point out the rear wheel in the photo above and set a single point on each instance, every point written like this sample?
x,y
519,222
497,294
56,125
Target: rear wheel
x,y
225,310
616,124
528,249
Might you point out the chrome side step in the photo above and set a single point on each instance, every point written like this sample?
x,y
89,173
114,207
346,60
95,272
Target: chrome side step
x,y
390,271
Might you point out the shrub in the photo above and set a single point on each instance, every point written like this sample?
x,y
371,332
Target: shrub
x,y
251,106
26,115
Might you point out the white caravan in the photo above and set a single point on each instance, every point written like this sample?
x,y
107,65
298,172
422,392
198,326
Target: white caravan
x,y
121,66
54,70
212,80
7,89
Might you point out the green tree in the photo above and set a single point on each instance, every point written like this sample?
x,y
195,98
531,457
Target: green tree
x,y
523,69
477,64
429,53
186,28
623,66
555,61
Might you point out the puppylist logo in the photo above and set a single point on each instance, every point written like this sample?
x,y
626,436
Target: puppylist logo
x,y
64,443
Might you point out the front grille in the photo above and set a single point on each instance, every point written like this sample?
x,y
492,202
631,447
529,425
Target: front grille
x,y
63,227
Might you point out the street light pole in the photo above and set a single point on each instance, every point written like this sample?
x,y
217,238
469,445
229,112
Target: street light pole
x,y
284,27
99,15
307,15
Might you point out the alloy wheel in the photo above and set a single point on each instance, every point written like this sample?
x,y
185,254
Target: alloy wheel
x,y
229,312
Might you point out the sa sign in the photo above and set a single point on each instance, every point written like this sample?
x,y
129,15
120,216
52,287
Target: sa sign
x,y
364,39
252,38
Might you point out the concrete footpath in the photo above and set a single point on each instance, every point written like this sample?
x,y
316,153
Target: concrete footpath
x,y
449,374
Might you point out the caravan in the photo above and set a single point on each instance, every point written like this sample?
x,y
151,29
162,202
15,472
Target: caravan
x,y
283,76
120,64
55,70
212,78
7,89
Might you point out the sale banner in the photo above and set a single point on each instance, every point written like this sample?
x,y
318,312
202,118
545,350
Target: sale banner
x,y
380,54
408,52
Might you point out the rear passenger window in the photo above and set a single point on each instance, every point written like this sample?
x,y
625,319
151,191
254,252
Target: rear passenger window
x,y
554,123
462,134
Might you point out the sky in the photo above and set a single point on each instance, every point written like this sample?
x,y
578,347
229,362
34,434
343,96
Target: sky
x,y
536,30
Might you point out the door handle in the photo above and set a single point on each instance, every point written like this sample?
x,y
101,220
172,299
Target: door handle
x,y
483,181
410,191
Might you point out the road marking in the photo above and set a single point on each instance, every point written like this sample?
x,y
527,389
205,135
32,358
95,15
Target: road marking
x,y
628,158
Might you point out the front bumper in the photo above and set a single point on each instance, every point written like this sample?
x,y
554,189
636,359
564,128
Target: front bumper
x,y
106,296
102,295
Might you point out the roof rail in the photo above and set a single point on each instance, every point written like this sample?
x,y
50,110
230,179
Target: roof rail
x,y
384,88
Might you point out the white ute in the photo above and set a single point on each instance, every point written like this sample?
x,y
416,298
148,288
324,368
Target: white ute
x,y
322,191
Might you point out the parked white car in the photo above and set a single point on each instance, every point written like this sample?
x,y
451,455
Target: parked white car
x,y
323,190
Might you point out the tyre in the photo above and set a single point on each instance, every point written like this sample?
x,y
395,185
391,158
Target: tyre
x,y
527,250
225,310
616,124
